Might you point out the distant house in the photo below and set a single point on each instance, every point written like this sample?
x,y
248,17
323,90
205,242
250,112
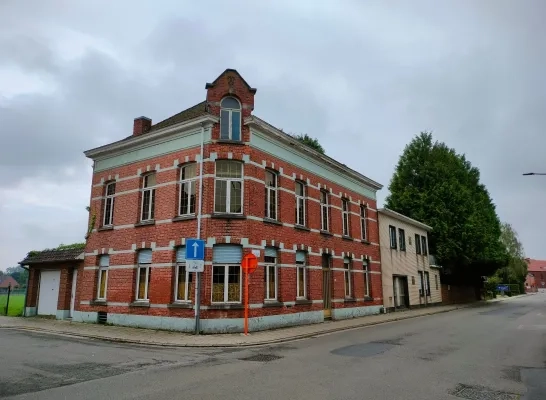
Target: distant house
x,y
536,275
6,281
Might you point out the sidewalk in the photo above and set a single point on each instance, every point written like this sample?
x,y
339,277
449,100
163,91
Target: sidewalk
x,y
178,339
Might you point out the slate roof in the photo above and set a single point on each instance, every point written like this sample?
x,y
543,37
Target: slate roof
x,y
190,113
536,265
7,280
54,255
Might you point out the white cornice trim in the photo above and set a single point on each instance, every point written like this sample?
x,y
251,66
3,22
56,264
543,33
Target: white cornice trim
x,y
278,135
401,217
146,138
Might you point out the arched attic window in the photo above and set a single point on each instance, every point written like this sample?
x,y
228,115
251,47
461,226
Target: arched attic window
x,y
230,119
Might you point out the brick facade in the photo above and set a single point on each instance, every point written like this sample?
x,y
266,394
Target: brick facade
x,y
249,229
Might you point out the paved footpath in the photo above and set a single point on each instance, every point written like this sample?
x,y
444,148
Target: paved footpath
x,y
178,339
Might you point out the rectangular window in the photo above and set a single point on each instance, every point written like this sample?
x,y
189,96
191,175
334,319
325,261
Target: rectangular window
x,y
363,223
366,265
424,245
188,197
417,244
324,211
402,239
183,284
347,276
270,278
301,278
436,281
226,283
230,124
300,204
392,235
148,197
143,274
270,195
104,263
421,284
228,187
427,282
345,217
109,193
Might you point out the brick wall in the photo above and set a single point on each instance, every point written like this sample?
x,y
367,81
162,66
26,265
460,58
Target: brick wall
x,y
452,294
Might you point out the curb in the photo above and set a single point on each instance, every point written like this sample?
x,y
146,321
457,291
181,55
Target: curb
x,y
235,345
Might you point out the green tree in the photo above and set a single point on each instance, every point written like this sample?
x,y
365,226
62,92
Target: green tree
x,y
435,185
19,274
309,141
515,270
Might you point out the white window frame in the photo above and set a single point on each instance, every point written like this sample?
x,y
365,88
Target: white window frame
x,y
146,285
108,220
226,280
99,282
192,183
268,190
363,222
367,275
393,240
151,205
228,189
300,198
421,283
267,267
402,239
347,279
324,207
345,217
301,269
424,245
230,113
187,286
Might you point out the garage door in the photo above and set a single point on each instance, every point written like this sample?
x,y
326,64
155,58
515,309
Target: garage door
x,y
49,292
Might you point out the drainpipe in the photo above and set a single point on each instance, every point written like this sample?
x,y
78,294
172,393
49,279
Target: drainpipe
x,y
200,205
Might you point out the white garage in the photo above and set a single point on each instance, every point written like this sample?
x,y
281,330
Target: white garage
x,y
48,295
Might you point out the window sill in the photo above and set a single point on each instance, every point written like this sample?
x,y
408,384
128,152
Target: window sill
x,y
365,241
228,216
180,304
272,221
326,233
140,303
230,141
106,228
300,302
394,248
368,298
183,218
272,303
345,237
145,223
302,228
99,303
226,306
349,300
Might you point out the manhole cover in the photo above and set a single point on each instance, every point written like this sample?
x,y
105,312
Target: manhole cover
x,y
481,393
261,357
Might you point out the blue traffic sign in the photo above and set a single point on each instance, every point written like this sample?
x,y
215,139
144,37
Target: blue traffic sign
x,y
503,288
195,249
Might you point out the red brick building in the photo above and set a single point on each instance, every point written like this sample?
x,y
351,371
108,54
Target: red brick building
x,y
312,220
536,275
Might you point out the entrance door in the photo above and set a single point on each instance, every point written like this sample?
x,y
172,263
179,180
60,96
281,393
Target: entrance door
x,y
49,292
73,295
400,291
326,286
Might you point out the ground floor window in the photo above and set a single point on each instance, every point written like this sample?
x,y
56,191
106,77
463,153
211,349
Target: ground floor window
x,y
301,276
347,276
143,274
183,283
226,283
270,277
104,262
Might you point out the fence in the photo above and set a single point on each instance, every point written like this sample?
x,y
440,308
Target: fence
x,y
16,302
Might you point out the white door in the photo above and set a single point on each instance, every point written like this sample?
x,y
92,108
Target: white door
x,y
73,295
49,292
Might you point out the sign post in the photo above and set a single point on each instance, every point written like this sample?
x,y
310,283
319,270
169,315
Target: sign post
x,y
249,264
195,262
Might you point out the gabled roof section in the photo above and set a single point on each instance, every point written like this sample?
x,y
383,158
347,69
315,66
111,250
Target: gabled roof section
x,y
7,280
404,218
209,85
54,255
535,265
190,113
288,139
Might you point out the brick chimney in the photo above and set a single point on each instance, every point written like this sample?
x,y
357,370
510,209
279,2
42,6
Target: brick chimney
x,y
141,125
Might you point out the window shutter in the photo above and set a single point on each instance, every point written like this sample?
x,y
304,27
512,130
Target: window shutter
x,y
270,252
300,256
227,254
181,254
145,256
104,261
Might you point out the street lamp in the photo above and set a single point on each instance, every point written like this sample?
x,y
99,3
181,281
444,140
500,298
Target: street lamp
x,y
534,173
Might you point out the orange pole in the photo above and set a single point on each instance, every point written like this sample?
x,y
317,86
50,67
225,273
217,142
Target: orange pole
x,y
246,299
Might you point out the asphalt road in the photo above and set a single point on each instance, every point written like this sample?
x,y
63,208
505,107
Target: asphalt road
x,y
492,352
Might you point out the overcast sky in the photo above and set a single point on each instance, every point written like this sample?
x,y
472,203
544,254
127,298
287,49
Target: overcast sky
x,y
362,76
